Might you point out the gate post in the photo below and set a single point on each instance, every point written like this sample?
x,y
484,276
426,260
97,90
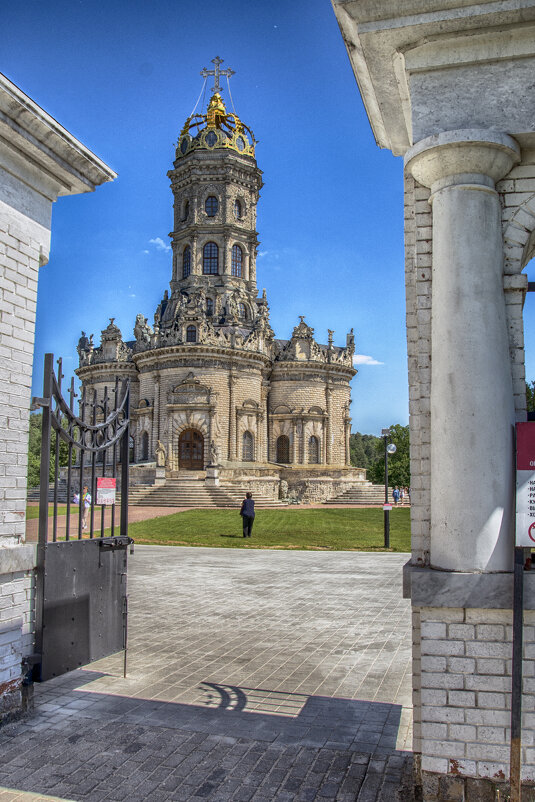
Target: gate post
x,y
44,475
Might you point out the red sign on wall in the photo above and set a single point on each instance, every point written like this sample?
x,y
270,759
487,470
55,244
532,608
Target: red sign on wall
x,y
106,489
525,484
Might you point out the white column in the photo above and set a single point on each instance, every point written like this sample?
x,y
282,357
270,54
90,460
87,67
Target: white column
x,y
472,411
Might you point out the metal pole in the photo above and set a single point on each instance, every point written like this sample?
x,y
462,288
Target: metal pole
x,y
43,503
386,512
516,689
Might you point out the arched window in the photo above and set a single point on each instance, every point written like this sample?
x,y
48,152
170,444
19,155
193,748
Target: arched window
x,y
186,262
313,450
191,334
145,446
237,259
242,311
209,307
211,206
131,450
248,447
210,259
283,449
185,210
237,209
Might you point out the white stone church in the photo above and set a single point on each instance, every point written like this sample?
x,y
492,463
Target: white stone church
x,y
211,386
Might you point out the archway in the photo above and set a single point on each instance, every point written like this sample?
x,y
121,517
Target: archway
x,y
191,450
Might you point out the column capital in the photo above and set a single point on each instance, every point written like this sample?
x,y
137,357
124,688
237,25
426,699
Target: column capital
x,y
466,156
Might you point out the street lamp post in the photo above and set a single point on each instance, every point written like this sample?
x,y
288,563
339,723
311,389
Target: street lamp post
x,y
390,448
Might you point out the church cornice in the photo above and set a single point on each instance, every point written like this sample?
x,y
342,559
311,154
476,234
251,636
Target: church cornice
x,y
99,371
299,371
193,355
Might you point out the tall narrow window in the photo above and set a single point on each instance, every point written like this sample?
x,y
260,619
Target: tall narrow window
x,y
283,449
248,447
186,262
185,210
242,311
210,259
237,259
209,307
237,210
145,446
313,450
211,206
191,334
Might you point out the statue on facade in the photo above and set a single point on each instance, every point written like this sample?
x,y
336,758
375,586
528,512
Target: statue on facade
x,y
214,453
85,346
283,490
142,331
161,455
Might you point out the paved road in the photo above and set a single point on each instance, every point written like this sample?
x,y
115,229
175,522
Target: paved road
x,y
253,675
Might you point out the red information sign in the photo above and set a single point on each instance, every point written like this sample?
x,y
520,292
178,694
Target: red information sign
x,y
525,484
106,488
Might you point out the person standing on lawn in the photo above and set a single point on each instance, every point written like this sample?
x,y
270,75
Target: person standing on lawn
x,y
247,514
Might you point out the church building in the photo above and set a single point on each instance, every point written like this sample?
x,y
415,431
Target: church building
x,y
214,394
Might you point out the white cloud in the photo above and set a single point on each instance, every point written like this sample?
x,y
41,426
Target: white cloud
x,y
262,253
131,295
147,252
362,359
160,244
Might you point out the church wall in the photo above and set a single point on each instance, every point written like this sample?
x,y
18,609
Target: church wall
x,y
299,396
217,426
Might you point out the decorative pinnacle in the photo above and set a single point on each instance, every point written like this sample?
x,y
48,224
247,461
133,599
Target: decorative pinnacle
x,y
216,72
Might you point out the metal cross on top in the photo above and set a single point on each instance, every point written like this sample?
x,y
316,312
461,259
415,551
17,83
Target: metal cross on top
x,y
216,72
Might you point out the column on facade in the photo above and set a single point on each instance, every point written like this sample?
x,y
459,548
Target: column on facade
x,y
252,263
226,266
293,445
472,444
246,263
265,423
328,444
196,256
347,424
231,418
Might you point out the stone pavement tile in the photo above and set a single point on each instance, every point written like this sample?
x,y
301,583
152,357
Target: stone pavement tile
x,y
234,712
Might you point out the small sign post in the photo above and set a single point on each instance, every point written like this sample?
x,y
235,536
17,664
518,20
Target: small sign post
x,y
106,490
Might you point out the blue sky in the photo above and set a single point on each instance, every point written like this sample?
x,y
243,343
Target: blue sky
x,y
123,76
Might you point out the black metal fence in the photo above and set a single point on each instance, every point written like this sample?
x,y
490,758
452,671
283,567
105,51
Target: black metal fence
x,y
81,600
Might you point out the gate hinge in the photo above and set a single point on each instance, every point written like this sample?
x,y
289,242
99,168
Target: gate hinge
x,y
39,403
120,542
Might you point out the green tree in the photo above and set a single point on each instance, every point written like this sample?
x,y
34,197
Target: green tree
x,y
530,396
363,450
34,451
399,471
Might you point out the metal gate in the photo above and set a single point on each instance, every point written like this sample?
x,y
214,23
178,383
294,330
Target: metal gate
x,y
81,600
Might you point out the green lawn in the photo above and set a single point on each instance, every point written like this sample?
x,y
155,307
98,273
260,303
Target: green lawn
x,y
33,511
331,529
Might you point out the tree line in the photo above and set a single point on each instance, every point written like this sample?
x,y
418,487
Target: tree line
x,y
368,451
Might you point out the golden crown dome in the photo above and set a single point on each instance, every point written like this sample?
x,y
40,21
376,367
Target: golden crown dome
x,y
215,129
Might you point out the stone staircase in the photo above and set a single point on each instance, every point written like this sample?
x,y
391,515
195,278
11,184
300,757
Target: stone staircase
x,y
361,495
194,493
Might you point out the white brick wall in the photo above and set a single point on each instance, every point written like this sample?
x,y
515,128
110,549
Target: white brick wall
x,y
20,256
465,692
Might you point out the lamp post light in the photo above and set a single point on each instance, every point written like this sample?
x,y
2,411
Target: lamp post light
x,y
390,448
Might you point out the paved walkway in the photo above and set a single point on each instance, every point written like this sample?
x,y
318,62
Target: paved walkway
x,y
252,675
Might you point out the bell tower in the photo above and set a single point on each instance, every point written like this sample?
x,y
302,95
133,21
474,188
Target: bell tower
x,y
215,183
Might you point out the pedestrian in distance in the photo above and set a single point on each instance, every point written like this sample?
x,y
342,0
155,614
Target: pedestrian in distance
x,y
247,514
85,500
395,494
401,495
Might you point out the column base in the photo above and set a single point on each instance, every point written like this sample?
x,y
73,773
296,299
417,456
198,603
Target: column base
x,y
431,787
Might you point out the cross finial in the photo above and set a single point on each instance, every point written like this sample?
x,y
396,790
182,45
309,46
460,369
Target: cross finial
x,y
216,72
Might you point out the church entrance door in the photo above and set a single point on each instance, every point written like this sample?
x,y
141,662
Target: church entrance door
x,y
191,450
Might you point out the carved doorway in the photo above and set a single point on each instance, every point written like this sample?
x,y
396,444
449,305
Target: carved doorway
x,y
191,450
